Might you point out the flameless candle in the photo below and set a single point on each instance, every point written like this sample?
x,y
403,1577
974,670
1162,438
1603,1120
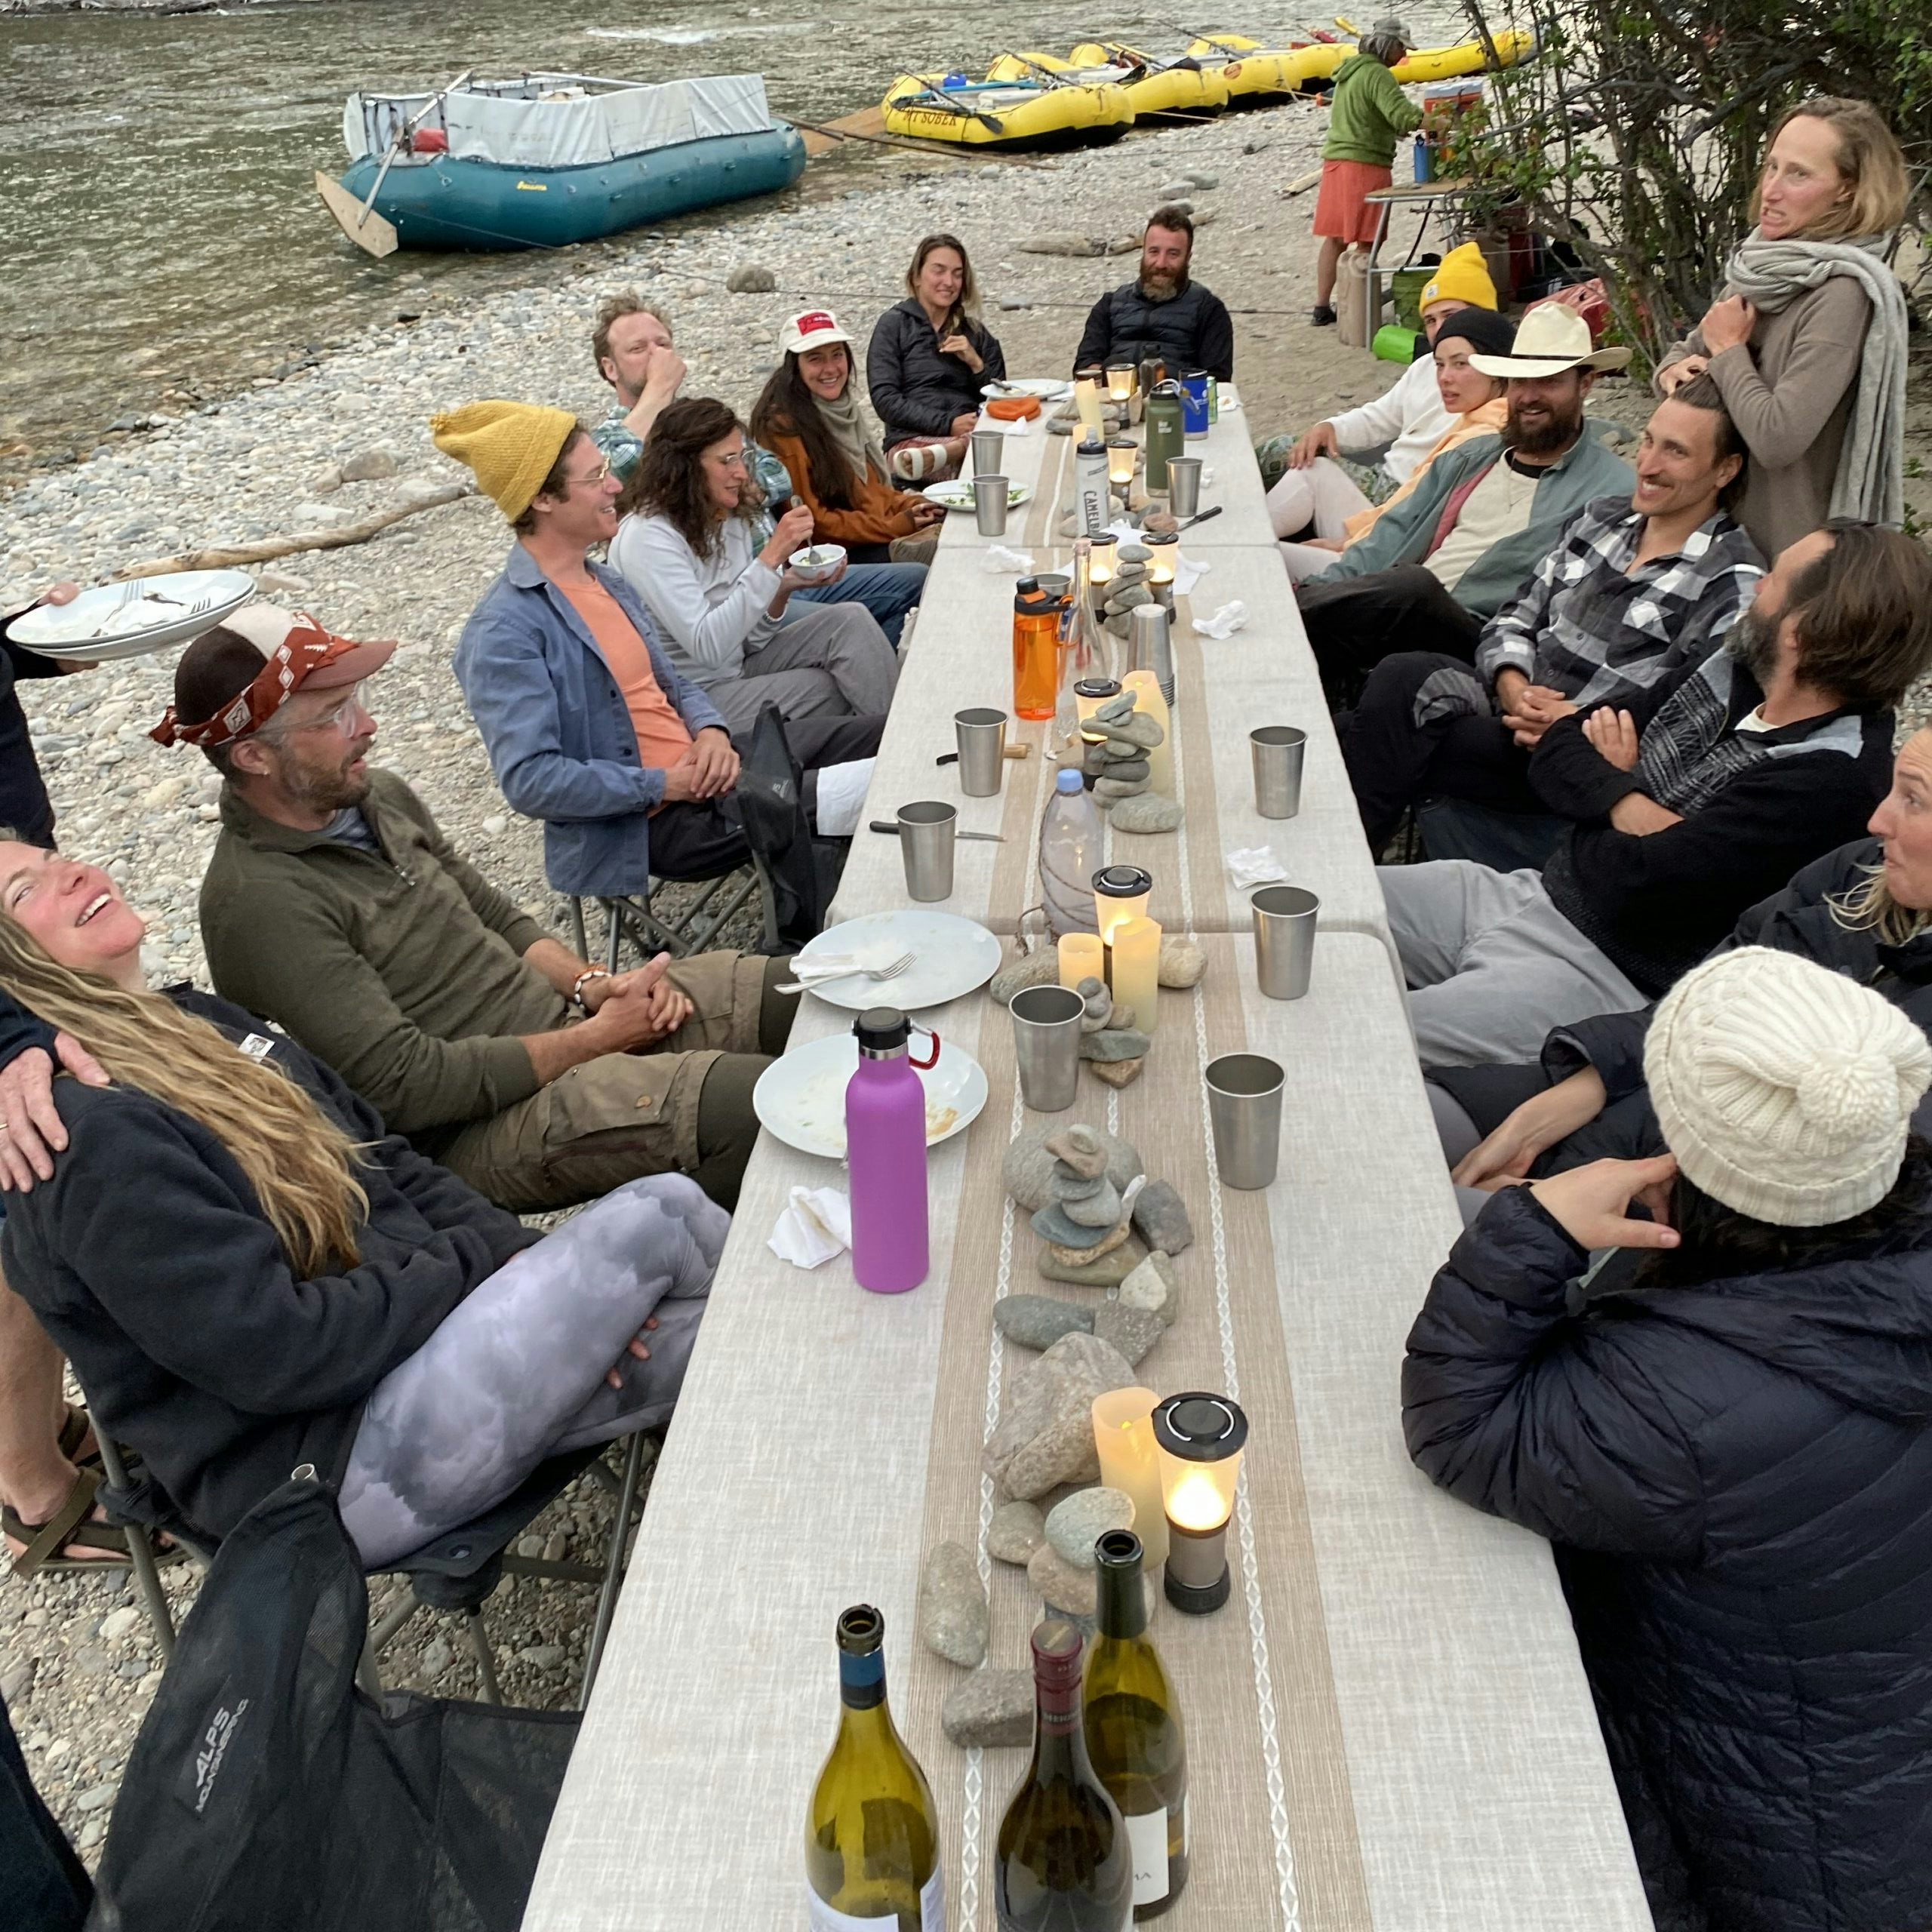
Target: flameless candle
x,y
1120,894
1162,552
1120,384
1124,1436
1087,401
1200,1438
1123,453
1082,956
1146,689
1100,560
1136,977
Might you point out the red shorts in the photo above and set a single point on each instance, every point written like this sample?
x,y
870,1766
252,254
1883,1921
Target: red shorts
x,y
1341,209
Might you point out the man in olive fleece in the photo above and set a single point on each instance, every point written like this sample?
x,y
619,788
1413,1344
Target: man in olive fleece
x,y
333,905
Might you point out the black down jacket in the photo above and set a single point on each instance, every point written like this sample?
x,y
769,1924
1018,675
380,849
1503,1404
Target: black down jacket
x,y
1189,331
914,390
1738,1477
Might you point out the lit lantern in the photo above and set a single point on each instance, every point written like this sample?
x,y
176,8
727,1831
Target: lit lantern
x,y
1123,454
1120,894
1120,384
1200,1438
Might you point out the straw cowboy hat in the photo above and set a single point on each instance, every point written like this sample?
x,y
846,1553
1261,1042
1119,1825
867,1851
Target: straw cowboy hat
x,y
1550,338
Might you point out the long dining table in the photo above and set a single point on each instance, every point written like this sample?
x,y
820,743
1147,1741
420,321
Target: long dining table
x,y
1388,1727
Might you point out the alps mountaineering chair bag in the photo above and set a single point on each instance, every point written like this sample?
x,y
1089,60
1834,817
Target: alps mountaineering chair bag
x,y
266,1793
802,871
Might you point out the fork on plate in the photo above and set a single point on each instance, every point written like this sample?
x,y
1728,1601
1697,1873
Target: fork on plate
x,y
810,977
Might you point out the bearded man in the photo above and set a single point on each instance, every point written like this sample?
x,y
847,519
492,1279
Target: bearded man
x,y
1162,314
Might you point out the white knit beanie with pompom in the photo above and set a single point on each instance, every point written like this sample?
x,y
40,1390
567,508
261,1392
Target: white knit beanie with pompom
x,y
1786,1090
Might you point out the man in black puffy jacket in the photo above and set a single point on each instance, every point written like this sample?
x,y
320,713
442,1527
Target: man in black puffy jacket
x,y
1161,313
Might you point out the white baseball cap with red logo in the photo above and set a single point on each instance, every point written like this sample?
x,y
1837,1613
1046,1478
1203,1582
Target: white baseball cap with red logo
x,y
816,328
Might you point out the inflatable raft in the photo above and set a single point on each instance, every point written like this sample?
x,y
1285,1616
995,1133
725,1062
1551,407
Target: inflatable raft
x,y
1255,72
1155,86
548,159
1032,113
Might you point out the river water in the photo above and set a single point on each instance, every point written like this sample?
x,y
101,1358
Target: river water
x,y
163,239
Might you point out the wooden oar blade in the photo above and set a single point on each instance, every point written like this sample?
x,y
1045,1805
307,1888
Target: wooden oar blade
x,y
365,227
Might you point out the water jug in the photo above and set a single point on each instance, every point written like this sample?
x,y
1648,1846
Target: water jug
x,y
1069,855
885,1151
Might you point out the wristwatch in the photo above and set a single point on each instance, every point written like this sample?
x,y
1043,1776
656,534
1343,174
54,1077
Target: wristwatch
x,y
582,980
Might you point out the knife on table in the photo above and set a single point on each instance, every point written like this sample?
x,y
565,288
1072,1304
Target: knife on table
x,y
887,825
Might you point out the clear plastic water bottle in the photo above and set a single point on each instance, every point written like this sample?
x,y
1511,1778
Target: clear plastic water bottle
x,y
1069,855
885,1151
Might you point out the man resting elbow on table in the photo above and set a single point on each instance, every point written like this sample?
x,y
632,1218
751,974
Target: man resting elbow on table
x,y
1685,811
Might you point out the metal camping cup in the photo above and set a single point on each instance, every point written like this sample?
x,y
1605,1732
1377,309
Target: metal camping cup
x,y
981,732
1276,750
1283,939
990,504
988,452
1150,640
1244,1110
1046,1046
1183,485
926,845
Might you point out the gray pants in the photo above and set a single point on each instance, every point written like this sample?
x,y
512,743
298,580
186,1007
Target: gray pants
x,y
1492,965
515,1371
827,659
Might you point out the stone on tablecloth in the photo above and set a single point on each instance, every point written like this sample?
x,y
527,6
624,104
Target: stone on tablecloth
x,y
1111,792
990,1707
1149,813
1045,1436
1063,1587
1160,1218
954,1620
1100,1209
1131,597
1132,1330
1134,553
1038,1321
1017,1529
1125,770
1152,1286
1182,963
1050,1225
1026,1171
1114,1043
1109,1271
1137,727
1098,1003
1116,1072
1079,1147
1040,968
1074,1524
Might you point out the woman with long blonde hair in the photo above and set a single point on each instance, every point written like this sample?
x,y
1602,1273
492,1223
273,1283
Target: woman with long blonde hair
x,y
248,1274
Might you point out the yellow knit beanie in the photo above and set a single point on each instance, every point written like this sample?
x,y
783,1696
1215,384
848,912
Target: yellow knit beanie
x,y
1462,276
510,445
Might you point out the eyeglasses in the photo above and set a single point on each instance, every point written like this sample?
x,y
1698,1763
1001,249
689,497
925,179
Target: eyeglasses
x,y
597,475
341,716
731,460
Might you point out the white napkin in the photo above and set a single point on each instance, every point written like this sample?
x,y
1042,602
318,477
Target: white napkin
x,y
999,561
1187,572
842,797
816,1225
1229,619
1225,394
1255,865
1008,426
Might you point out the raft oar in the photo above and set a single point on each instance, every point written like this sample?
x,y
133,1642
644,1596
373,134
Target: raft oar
x,y
997,127
382,239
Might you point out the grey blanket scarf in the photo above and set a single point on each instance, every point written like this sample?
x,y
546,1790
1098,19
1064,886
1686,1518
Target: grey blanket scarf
x,y
1771,275
846,419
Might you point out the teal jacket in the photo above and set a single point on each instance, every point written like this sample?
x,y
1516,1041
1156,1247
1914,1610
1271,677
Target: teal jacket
x,y
1369,112
1402,535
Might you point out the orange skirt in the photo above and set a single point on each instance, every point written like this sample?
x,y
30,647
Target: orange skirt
x,y
1341,209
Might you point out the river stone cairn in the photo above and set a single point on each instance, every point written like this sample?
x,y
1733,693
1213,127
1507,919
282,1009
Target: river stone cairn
x,y
1118,764
1128,588
1110,1043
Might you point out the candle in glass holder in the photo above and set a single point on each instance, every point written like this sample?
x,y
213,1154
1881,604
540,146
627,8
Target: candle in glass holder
x,y
1088,696
1124,1436
1137,975
1082,956
1120,384
1120,894
1123,454
1200,1438
1146,689
1102,561
1162,552
1087,402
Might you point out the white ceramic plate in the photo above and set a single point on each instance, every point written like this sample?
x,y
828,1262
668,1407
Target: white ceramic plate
x,y
800,1095
950,956
115,620
958,494
1047,388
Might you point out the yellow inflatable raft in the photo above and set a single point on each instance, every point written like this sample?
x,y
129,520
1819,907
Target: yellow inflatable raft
x,y
1008,112
1153,86
1252,69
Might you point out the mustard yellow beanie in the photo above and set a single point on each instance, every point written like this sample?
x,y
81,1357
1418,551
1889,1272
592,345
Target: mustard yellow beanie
x,y
510,446
1462,276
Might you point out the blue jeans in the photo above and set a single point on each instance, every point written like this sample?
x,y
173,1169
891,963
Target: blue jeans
x,y
888,591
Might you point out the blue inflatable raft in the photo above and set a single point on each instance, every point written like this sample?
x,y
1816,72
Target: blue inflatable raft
x,y
550,159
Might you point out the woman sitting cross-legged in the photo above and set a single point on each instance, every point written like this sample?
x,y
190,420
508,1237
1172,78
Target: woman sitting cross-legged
x,y
1728,1435
721,601
248,1274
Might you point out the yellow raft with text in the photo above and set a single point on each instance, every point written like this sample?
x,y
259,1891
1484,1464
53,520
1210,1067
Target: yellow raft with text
x,y
1003,111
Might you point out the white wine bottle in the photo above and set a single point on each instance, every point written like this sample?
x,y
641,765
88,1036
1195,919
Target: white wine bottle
x,y
1062,1863
872,1841
1134,1740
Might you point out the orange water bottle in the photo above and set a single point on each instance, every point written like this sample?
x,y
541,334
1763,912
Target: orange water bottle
x,y
1036,650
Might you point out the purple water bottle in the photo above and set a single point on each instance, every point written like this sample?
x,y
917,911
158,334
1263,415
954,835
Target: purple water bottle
x,y
885,1149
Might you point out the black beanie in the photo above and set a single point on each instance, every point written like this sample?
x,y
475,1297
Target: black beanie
x,y
1483,329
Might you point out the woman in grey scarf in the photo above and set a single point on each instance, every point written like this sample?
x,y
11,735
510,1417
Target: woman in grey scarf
x,y
1807,344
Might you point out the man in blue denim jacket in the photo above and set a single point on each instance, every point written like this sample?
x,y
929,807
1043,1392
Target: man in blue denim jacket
x,y
587,725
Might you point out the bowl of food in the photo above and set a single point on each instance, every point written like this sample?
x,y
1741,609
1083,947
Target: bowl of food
x,y
817,563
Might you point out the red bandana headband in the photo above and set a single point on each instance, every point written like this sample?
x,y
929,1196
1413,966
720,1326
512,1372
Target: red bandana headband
x,y
305,650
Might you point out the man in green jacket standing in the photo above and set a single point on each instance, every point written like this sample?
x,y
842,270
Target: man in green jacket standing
x,y
1442,561
1368,114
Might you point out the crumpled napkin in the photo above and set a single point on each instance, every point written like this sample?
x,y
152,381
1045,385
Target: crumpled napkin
x,y
1187,572
1008,426
1000,560
1229,619
1253,865
816,1225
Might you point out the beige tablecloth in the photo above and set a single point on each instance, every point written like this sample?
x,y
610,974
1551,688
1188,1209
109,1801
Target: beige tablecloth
x,y
1388,1724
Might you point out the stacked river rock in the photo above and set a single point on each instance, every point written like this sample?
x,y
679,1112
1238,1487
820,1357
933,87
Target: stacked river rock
x,y
1119,766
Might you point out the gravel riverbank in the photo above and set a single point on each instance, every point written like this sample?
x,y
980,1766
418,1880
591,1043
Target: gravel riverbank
x,y
77,1667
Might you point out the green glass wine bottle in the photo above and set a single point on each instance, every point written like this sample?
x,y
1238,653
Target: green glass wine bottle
x,y
1134,1739
872,1841
1062,1862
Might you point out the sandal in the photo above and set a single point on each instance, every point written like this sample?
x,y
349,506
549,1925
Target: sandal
x,y
70,1527
74,1431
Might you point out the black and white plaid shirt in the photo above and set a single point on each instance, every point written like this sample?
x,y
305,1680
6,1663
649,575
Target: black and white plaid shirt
x,y
1588,626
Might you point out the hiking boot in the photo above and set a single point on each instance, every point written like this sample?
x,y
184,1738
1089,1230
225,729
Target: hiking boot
x,y
1322,316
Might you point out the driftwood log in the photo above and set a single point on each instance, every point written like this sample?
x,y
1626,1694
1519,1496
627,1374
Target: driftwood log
x,y
269,548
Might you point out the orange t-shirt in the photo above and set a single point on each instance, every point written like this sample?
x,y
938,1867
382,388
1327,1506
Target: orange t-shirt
x,y
663,738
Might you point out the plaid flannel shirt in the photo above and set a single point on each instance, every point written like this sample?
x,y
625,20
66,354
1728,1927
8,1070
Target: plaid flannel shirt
x,y
623,449
1601,633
